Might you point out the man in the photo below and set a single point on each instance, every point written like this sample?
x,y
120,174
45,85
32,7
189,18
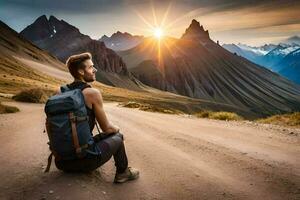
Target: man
x,y
82,69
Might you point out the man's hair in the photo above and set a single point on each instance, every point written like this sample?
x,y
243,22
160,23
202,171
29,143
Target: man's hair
x,y
74,63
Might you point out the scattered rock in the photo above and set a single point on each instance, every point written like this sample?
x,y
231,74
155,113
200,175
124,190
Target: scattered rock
x,y
43,197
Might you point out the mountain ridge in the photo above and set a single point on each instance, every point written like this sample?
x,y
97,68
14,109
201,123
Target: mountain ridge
x,y
63,40
198,67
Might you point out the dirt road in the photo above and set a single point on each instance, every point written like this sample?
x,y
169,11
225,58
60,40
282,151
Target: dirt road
x,y
179,158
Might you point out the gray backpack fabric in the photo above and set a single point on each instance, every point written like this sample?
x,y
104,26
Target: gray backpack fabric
x,y
67,126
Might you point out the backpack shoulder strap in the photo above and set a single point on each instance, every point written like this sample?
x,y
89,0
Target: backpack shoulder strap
x,y
64,88
76,85
83,86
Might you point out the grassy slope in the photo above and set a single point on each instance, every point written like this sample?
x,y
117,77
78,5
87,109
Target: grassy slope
x,y
16,76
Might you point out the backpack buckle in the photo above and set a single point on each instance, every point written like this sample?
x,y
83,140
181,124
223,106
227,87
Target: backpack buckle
x,y
78,150
76,119
72,117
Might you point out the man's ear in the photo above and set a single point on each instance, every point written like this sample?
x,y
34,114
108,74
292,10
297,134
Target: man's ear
x,y
81,72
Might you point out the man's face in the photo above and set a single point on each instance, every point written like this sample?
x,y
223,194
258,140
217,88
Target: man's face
x,y
89,74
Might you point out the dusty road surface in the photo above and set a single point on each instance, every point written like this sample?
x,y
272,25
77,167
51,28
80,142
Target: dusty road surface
x,y
179,158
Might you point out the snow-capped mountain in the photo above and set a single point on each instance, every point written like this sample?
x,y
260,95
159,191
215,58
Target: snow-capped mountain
x,y
289,66
254,54
263,50
271,56
276,55
284,49
266,55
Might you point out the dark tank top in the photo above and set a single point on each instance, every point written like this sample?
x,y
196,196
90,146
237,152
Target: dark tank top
x,y
82,85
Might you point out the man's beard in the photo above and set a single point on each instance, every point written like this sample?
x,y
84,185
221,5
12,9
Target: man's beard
x,y
89,79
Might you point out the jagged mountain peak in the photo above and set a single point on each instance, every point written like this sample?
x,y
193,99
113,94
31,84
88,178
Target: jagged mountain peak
x,y
119,35
196,25
104,37
53,19
42,18
120,41
195,30
43,28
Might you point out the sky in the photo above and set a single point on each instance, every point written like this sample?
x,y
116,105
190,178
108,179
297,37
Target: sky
x,y
250,22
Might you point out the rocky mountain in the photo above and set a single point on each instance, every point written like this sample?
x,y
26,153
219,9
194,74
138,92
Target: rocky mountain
x,y
121,41
196,66
62,40
21,63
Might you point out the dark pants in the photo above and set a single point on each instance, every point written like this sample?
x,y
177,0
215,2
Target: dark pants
x,y
113,145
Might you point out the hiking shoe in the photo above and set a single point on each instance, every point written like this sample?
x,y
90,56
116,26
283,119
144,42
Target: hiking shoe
x,y
129,174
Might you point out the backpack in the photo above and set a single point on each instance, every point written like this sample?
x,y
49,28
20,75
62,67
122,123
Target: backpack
x,y
67,126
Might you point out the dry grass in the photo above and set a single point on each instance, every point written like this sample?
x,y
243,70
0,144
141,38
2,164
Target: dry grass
x,y
8,109
227,116
15,76
150,108
131,104
36,95
292,119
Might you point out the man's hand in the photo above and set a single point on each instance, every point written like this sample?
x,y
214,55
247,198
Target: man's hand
x,y
113,129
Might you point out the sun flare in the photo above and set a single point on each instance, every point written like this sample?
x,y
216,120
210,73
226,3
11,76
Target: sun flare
x,y
158,33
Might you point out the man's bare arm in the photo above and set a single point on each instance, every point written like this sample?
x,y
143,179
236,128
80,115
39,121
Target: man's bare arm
x,y
97,103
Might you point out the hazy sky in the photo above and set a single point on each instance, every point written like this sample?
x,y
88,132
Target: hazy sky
x,y
247,21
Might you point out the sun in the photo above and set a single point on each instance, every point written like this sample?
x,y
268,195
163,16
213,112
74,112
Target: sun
x,y
158,33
